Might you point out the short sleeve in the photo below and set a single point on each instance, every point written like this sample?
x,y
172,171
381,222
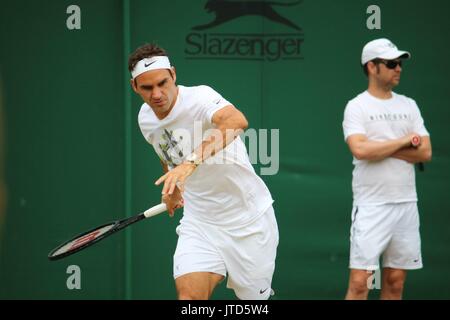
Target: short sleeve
x,y
418,123
211,102
145,123
353,120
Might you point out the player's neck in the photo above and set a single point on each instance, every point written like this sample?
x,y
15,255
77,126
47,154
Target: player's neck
x,y
380,92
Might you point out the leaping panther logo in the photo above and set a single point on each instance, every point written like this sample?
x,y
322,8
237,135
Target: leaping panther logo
x,y
228,10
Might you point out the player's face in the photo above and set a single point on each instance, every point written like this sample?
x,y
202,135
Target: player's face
x,y
388,72
158,89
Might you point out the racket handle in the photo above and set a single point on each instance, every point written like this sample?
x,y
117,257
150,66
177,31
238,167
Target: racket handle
x,y
153,211
415,141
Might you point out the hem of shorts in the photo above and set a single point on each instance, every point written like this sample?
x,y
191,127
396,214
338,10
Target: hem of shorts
x,y
262,297
416,267
175,276
381,203
367,268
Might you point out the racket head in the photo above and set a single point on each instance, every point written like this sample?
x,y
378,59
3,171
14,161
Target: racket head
x,y
83,240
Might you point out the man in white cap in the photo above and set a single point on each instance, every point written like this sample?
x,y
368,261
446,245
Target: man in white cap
x,y
386,135
228,225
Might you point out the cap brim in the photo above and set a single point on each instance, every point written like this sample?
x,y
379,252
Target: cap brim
x,y
395,55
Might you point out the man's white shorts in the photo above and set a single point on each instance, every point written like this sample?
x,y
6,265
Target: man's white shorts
x,y
246,253
390,231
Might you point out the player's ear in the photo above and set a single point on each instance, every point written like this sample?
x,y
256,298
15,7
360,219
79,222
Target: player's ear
x,y
173,73
371,67
133,85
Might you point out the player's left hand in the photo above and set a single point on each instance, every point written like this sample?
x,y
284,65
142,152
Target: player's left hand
x,y
176,177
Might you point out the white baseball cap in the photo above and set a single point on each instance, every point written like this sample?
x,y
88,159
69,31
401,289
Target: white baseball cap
x,y
383,49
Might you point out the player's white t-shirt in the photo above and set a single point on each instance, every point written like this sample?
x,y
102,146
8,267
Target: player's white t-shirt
x,y
390,180
217,193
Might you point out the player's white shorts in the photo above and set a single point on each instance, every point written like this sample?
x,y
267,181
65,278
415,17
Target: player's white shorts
x,y
390,231
246,253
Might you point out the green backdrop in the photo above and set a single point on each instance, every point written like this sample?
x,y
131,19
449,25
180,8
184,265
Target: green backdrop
x,y
75,157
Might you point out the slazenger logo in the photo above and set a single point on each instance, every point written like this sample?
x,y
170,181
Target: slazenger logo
x,y
244,46
229,10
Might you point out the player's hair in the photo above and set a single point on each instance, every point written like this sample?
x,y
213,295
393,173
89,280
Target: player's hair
x,y
366,71
148,50
366,68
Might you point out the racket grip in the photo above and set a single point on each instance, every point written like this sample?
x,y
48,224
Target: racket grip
x,y
415,141
153,211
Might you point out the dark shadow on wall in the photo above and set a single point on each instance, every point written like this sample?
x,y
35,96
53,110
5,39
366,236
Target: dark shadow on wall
x,y
2,157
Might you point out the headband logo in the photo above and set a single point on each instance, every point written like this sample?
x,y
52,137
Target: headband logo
x,y
149,64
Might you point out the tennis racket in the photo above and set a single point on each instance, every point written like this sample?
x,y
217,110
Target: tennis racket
x,y
88,238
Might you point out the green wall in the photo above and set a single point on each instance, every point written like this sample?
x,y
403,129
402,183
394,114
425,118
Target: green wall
x,y
75,156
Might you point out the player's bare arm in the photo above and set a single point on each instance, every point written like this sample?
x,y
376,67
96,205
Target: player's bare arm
x,y
174,200
365,149
421,153
229,122
164,167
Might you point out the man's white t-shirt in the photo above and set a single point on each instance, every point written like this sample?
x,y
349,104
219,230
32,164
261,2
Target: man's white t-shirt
x,y
390,180
223,191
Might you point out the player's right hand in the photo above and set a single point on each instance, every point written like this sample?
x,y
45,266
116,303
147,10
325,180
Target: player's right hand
x,y
173,201
412,140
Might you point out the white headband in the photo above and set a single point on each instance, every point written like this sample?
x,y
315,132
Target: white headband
x,y
148,64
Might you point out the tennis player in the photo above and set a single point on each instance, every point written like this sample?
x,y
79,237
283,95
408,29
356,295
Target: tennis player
x,y
228,226
386,135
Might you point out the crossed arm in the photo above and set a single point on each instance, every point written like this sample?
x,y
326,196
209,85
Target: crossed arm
x,y
365,149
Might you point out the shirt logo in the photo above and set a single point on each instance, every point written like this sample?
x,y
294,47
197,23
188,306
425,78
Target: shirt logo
x,y
390,117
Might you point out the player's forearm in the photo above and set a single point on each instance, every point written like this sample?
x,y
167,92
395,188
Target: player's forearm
x,y
230,123
378,150
217,141
164,167
414,155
